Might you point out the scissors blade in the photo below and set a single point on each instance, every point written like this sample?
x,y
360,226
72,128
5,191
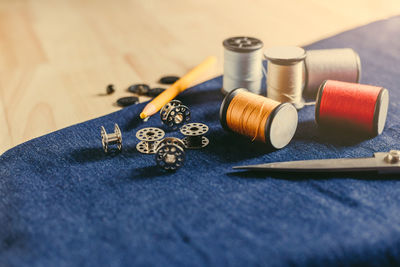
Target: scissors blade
x,y
376,163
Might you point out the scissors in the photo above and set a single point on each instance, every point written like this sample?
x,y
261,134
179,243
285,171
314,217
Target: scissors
x,y
381,162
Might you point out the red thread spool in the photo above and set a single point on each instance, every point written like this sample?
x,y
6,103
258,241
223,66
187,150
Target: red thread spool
x,y
352,105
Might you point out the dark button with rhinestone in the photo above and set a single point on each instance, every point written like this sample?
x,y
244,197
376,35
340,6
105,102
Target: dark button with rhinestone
x,y
140,89
127,101
155,91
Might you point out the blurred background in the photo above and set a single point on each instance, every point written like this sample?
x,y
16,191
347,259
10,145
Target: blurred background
x,y
58,56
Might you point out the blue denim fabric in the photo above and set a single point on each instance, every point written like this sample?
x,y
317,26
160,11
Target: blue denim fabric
x,y
63,202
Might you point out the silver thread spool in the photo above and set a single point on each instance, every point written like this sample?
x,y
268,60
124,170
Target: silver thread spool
x,y
330,64
243,64
285,74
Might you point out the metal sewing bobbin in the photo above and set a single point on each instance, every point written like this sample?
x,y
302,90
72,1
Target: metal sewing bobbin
x,y
193,133
170,154
149,139
112,138
174,114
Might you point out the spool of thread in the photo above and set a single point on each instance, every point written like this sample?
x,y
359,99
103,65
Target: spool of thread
x,y
285,74
330,64
352,106
258,117
243,64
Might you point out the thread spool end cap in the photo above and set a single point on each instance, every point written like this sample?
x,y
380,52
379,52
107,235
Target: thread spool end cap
x,y
285,55
282,125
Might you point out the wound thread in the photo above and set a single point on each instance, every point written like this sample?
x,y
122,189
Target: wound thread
x,y
248,113
242,64
258,117
341,64
285,82
285,74
352,106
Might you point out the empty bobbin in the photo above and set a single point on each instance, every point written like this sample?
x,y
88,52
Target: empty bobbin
x,y
170,153
174,114
149,139
112,138
193,133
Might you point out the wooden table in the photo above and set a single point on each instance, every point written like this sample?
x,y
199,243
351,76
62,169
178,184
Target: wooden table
x,y
57,57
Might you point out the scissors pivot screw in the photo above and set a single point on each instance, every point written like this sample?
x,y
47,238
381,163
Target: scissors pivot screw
x,y
112,138
393,156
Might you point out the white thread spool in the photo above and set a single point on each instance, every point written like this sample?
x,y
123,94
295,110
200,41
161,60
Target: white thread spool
x,y
285,74
330,64
243,64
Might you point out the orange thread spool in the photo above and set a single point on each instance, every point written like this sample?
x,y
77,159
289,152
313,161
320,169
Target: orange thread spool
x,y
259,118
352,106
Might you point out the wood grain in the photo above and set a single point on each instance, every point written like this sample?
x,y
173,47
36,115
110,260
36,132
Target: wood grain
x,y
57,57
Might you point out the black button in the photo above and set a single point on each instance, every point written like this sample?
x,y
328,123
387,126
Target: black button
x,y
155,91
140,89
110,89
168,79
127,101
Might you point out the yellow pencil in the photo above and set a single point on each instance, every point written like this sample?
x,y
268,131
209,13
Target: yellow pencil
x,y
180,85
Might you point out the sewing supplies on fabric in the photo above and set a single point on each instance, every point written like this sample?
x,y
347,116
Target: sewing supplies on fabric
x,y
112,138
330,64
259,117
243,64
170,151
285,74
352,106
382,162
272,120
182,84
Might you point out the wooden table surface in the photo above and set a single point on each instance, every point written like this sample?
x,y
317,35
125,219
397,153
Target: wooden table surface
x,y
57,57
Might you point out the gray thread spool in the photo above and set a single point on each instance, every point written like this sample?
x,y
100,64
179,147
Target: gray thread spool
x,y
285,74
243,64
330,64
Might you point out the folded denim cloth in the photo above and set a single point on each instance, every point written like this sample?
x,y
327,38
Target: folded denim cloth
x,y
64,202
